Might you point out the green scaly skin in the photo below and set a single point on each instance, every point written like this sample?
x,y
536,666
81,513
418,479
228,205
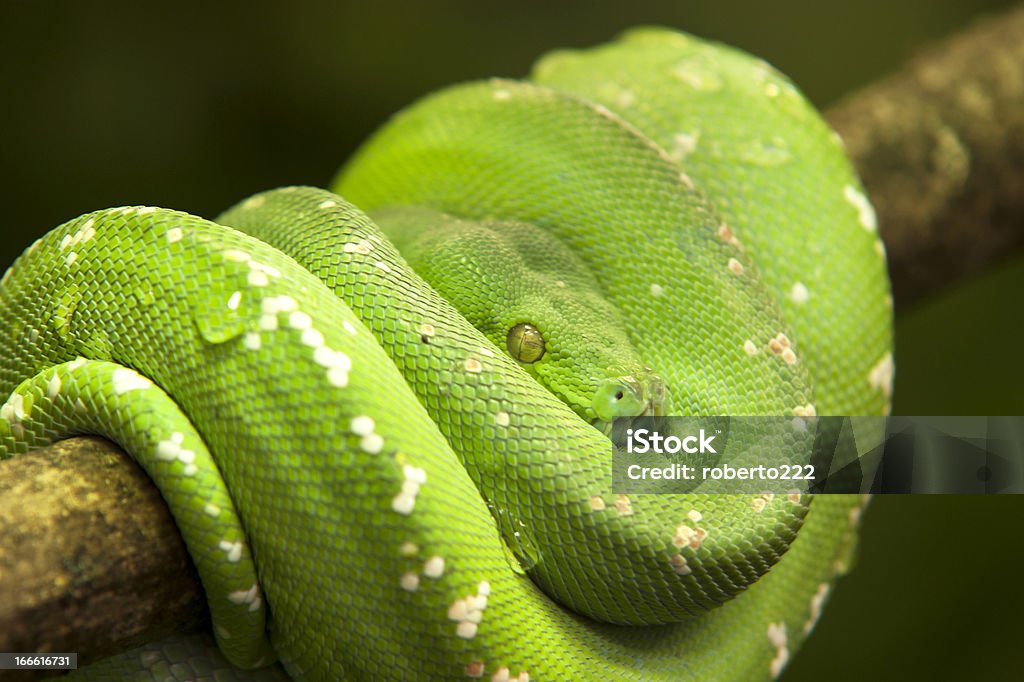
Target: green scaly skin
x,y
517,275
415,505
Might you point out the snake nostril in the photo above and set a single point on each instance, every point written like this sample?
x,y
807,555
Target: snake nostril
x,y
618,395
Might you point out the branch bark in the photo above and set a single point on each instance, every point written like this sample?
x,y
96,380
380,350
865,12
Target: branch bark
x,y
940,148
91,561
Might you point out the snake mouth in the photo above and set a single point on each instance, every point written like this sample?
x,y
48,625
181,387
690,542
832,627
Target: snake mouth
x,y
650,409
629,396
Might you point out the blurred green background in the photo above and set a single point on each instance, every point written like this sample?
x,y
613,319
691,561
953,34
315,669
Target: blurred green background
x,y
194,106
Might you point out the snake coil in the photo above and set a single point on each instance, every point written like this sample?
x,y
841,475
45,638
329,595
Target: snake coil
x,y
372,488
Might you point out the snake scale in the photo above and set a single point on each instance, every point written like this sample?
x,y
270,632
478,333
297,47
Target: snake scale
x,y
372,487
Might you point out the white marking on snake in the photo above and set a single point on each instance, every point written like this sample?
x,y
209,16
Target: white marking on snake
x,y
694,515
597,503
880,376
147,210
410,581
382,266
279,304
415,473
258,278
270,306
777,637
349,327
232,549
403,504
475,669
749,347
865,212
14,409
330,359
371,444
53,386
735,267
502,419
500,675
327,203
688,181
362,247
362,425
167,450
657,290
771,90
254,202
680,565
252,341
684,535
268,270
405,501
434,567
817,602
312,338
237,256
174,235
300,320
235,299
409,549
623,505
268,322
211,510
338,377
71,258
805,411
789,356
473,365
466,629
127,380
799,293
250,596
458,610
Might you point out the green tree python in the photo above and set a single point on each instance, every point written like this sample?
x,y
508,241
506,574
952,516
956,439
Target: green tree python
x,y
659,225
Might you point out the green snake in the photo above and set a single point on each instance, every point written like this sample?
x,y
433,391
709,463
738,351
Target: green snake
x,y
380,478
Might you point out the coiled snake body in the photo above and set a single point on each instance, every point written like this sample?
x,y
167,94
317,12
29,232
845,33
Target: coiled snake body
x,y
415,503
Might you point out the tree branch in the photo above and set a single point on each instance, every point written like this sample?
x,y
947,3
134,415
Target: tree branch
x,y
940,148
91,561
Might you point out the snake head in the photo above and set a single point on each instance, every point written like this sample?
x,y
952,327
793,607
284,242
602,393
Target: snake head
x,y
629,396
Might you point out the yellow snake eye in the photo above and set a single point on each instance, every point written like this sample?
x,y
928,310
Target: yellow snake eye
x,y
525,343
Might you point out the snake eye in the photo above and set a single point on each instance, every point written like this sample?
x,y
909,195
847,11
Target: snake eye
x,y
525,343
